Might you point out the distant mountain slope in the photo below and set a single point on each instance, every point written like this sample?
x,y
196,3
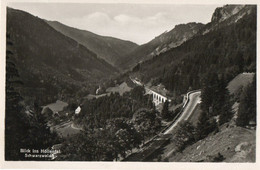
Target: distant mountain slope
x,y
50,61
228,49
108,48
161,43
175,37
222,17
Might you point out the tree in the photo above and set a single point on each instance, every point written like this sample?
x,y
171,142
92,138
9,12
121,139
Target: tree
x,y
185,135
215,98
247,106
104,144
47,112
165,110
137,93
240,61
79,147
72,106
222,105
205,126
208,91
146,122
15,122
122,137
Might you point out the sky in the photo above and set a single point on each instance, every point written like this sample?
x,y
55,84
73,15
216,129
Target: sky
x,y
138,23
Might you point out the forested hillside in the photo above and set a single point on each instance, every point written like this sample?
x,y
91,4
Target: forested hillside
x,y
228,50
22,131
112,131
209,61
112,50
167,40
50,63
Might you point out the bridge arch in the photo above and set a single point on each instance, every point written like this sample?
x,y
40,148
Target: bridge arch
x,y
158,98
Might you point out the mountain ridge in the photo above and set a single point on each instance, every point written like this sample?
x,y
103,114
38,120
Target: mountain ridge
x,y
222,13
108,48
226,15
160,44
235,49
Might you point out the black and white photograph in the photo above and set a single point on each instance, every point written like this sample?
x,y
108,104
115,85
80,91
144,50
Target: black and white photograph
x,y
129,82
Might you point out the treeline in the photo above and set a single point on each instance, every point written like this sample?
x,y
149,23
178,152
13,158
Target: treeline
x,y
24,129
46,88
105,144
247,105
96,112
216,104
229,50
117,138
113,126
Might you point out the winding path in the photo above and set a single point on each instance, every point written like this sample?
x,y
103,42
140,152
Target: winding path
x,y
194,99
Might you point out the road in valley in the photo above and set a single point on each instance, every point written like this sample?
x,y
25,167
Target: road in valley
x,y
194,99
158,141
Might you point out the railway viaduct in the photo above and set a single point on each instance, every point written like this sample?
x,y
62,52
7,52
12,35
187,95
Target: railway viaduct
x,y
158,97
